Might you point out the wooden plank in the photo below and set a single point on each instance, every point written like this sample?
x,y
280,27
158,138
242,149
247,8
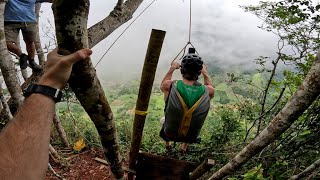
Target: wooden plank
x,y
155,167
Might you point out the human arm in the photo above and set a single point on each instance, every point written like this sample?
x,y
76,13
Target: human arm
x,y
207,82
166,82
24,142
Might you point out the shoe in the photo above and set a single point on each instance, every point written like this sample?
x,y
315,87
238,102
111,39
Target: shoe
x,y
34,66
23,61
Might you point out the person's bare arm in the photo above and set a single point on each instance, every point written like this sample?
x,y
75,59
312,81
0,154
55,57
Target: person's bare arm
x,y
207,82
166,82
24,142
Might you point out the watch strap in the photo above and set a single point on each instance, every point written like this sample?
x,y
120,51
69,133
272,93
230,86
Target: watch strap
x,y
56,94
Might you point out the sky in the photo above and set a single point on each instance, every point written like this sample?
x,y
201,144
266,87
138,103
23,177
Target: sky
x,y
221,32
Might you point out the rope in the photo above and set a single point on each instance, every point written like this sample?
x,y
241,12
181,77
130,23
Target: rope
x,y
190,23
189,38
124,32
184,51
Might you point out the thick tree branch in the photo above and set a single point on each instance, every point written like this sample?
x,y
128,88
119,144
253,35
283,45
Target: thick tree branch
x,y
7,67
105,27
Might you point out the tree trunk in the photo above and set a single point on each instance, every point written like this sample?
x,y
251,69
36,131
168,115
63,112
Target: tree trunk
x,y
204,167
307,171
53,152
71,32
6,116
7,67
37,42
308,91
60,130
95,34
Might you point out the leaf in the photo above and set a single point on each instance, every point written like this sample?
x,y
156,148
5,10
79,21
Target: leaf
x,y
306,132
79,145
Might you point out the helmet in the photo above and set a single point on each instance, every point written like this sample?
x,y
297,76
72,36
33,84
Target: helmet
x,y
191,64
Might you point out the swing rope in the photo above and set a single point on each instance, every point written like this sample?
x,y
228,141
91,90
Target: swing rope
x,y
123,33
190,22
189,37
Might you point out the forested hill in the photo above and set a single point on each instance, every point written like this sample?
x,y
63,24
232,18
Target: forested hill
x,y
230,125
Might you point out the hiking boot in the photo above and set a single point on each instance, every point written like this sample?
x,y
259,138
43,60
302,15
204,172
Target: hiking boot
x,y
34,66
23,61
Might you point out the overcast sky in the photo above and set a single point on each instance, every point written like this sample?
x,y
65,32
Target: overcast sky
x,y
221,31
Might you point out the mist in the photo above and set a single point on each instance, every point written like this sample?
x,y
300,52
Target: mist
x,y
223,34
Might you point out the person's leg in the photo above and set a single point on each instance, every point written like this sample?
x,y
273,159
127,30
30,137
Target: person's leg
x,y
168,145
12,34
11,31
167,142
12,47
28,32
184,147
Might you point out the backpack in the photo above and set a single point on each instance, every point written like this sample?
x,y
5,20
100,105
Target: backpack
x,y
181,123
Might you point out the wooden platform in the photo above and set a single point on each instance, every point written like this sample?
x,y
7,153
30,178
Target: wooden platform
x,y
155,167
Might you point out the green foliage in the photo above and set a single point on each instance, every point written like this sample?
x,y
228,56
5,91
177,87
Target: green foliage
x,y
223,97
230,125
254,174
234,108
76,125
124,129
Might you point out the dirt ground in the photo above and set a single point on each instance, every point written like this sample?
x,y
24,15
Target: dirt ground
x,y
81,166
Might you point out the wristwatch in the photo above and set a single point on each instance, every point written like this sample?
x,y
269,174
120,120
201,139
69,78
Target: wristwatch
x,y
56,94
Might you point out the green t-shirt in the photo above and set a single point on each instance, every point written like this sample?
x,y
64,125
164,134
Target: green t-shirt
x,y
190,93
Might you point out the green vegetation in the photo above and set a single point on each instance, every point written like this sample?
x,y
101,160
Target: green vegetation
x,y
234,109
244,103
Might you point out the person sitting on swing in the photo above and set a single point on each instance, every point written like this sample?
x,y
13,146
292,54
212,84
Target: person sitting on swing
x,y
187,101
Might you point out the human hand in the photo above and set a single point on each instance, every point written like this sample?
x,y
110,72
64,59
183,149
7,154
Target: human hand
x,y
58,67
175,65
204,69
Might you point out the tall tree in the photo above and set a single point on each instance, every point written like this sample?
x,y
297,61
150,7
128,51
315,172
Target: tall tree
x,y
7,66
101,30
37,42
3,103
307,92
71,33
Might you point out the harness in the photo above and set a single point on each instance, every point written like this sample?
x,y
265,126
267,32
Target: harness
x,y
183,124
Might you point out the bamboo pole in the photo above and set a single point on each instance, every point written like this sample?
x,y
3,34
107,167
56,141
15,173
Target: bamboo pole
x,y
204,167
147,78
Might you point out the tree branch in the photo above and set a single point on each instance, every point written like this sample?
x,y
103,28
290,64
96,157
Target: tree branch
x,y
105,27
307,92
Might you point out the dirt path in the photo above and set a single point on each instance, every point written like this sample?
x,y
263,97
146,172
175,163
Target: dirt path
x,y
82,167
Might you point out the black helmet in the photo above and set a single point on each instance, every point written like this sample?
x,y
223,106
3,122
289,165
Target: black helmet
x,y
191,64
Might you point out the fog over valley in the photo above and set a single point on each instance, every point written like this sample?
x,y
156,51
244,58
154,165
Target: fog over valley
x,y
223,34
